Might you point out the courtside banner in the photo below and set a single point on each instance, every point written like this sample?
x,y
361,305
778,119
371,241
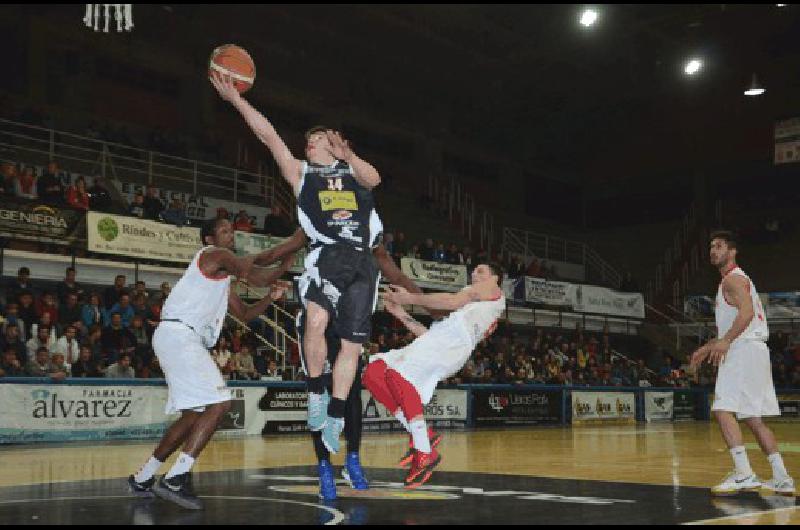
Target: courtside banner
x,y
433,274
658,406
34,221
591,299
590,407
539,291
61,413
284,410
139,238
447,409
684,405
493,408
789,405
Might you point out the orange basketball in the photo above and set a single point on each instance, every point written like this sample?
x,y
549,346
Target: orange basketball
x,y
234,61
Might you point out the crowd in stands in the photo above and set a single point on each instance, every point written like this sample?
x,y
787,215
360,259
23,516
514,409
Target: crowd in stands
x,y
71,330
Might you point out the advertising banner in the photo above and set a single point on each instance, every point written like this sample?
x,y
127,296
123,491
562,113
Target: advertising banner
x,y
433,274
603,407
494,408
541,291
138,238
787,141
35,221
592,299
447,409
658,406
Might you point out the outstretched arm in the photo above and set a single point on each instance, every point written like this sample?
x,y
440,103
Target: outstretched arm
x,y
263,129
291,245
395,276
246,312
262,276
408,321
484,291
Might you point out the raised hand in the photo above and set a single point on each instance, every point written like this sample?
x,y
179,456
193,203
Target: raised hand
x,y
225,87
340,148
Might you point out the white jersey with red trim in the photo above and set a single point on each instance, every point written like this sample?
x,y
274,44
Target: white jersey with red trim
x,y
480,318
199,302
726,313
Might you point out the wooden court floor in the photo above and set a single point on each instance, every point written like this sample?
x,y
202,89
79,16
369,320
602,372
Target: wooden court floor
x,y
522,475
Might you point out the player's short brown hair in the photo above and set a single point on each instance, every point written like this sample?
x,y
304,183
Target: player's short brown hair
x,y
497,270
727,236
316,129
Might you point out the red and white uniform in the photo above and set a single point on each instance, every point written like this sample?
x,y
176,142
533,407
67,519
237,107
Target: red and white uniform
x,y
200,303
445,348
744,382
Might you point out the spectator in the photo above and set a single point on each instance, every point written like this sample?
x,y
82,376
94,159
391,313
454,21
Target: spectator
x,y
140,288
469,260
10,365
12,318
143,350
77,196
124,308
122,369
99,197
117,340
69,285
245,368
49,187
243,223
112,294
70,314
68,346
86,366
48,307
453,256
58,364
8,178
428,252
516,269
153,370
221,354
21,285
25,186
26,311
439,254
175,214
152,205
40,365
93,341
273,370
11,339
414,253
43,339
136,209
140,307
92,313
222,213
276,223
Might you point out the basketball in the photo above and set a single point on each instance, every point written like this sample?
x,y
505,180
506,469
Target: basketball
x,y
232,60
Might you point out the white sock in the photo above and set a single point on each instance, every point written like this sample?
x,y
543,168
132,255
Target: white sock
x,y
778,470
419,432
402,419
148,470
741,462
183,465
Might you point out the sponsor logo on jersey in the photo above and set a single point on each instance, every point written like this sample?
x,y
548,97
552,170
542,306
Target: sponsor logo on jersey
x,y
338,200
341,215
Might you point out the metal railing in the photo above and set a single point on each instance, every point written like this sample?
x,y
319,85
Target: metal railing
x,y
460,207
20,142
546,247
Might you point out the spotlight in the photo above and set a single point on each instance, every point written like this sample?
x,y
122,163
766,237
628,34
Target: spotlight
x,y
693,66
755,89
588,17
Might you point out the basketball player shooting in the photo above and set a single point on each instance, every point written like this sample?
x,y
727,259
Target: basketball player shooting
x,y
404,380
744,389
340,282
191,322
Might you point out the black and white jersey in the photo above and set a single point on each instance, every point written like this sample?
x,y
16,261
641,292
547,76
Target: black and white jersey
x,y
333,207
